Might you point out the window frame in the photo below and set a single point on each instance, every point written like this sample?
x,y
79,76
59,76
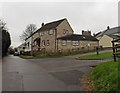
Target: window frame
x,y
47,42
49,32
75,43
43,42
42,33
65,31
64,42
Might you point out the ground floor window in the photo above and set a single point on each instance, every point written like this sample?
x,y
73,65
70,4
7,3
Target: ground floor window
x,y
64,42
75,43
47,42
43,43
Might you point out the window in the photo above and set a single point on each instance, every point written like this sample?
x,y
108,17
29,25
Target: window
x,y
75,43
47,42
28,44
65,31
35,43
64,42
41,33
51,31
43,43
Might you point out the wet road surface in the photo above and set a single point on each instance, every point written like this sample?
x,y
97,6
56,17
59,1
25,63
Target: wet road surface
x,y
49,74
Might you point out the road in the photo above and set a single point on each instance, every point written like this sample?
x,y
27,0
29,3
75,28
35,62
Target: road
x,y
49,74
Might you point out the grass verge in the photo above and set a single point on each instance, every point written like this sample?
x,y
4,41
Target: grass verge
x,y
96,57
105,77
26,57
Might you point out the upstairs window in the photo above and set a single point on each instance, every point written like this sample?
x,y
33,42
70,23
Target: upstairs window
x,y
42,33
50,32
75,43
64,42
65,31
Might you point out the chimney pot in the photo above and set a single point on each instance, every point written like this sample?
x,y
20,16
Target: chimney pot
x,y
42,24
108,27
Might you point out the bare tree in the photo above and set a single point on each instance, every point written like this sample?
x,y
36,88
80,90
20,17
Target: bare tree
x,y
28,31
2,24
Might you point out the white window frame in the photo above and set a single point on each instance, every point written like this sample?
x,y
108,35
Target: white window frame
x,y
75,43
65,31
47,42
43,42
64,42
51,32
42,33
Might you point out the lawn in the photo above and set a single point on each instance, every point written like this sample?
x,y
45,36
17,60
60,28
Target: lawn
x,y
105,77
95,56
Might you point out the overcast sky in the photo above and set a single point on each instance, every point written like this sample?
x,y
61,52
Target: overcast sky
x,y
94,16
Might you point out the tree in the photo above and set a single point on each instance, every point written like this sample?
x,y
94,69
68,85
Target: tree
x,y
4,38
28,31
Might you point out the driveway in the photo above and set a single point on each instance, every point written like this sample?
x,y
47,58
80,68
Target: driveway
x,y
49,74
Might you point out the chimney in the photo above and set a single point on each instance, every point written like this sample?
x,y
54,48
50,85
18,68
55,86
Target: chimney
x,y
42,24
94,34
86,32
82,32
108,27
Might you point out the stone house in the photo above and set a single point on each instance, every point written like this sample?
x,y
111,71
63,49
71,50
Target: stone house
x,y
105,37
59,36
75,42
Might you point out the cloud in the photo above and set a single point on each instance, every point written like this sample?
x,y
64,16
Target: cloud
x,y
95,16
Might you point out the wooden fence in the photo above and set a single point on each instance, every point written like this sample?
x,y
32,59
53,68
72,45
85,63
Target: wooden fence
x,y
116,49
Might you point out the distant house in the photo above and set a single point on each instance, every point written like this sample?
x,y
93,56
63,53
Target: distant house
x,y
105,37
21,48
58,36
28,44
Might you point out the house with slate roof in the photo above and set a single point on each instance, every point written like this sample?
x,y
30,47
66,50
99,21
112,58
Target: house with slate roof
x,y
105,37
59,36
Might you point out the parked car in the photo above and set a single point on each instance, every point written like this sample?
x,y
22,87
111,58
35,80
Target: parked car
x,y
16,53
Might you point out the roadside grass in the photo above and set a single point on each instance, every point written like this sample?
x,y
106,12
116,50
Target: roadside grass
x,y
48,55
26,57
95,56
105,77
37,56
53,55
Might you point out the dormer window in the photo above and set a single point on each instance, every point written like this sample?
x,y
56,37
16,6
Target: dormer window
x,y
41,33
50,32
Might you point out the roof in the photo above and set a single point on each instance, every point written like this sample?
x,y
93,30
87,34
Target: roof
x,y
77,37
117,40
22,45
48,26
109,31
114,36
